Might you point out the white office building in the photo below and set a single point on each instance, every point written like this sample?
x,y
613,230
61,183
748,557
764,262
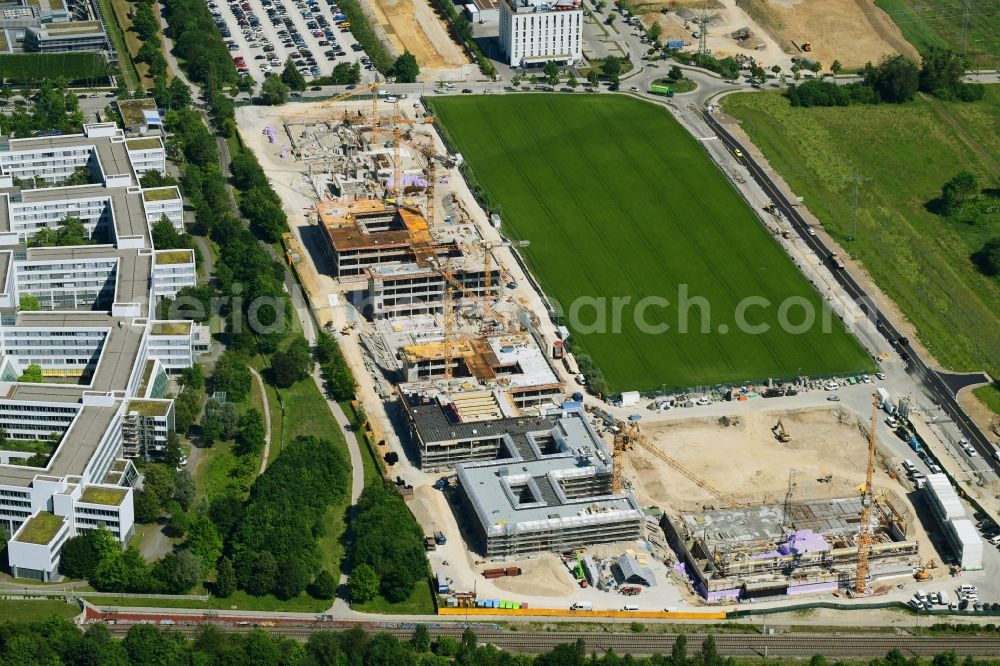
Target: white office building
x,y
83,318
533,32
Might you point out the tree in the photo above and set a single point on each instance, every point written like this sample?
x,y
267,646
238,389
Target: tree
x,y
293,364
204,541
836,67
79,556
612,69
678,653
220,422
959,191
292,77
592,78
225,579
895,79
339,380
776,70
572,82
988,258
654,32
145,24
323,586
193,377
180,94
292,578
273,92
30,303
165,234
265,571
179,522
941,72
232,377
178,572
551,71
70,231
405,69
184,489
146,644
251,436
675,73
363,584
32,375
420,641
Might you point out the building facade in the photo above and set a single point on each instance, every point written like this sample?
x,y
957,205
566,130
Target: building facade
x,y
532,32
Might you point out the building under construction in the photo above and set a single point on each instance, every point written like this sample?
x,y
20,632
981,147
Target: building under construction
x,y
796,548
536,483
512,362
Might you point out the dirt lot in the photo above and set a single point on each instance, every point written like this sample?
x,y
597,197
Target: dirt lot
x,y
852,31
748,462
411,25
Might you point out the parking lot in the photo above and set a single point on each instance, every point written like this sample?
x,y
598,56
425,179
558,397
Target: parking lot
x,y
266,32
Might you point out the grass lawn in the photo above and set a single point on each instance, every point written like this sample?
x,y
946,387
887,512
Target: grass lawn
x,y
620,202
30,611
920,260
368,456
131,39
419,603
116,31
927,23
678,86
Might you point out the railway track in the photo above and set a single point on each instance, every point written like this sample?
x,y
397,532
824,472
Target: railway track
x,y
734,645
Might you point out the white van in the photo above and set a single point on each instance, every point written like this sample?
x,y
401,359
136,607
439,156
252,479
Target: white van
x,y
943,597
582,605
966,589
908,465
630,607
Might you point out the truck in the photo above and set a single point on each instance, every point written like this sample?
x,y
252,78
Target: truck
x,y
675,44
558,349
836,261
440,539
429,543
884,401
582,605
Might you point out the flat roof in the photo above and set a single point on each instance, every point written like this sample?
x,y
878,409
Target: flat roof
x,y
148,407
112,154
517,494
40,528
437,420
103,495
172,257
131,110
70,28
171,328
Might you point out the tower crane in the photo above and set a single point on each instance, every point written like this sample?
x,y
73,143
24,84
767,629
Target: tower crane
x,y
866,536
373,87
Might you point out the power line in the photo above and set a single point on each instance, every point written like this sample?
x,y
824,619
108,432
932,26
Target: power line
x,y
856,180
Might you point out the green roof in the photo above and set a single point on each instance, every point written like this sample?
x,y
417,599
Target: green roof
x,y
73,28
171,327
99,495
175,257
40,528
149,407
143,144
131,109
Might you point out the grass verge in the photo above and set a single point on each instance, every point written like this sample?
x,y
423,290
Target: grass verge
x,y
117,35
238,601
907,152
33,610
420,602
623,210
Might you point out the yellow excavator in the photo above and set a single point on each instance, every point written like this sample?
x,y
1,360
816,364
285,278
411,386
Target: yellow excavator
x,y
780,432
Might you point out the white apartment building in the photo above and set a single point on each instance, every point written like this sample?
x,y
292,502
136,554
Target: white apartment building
x,y
172,271
533,32
65,463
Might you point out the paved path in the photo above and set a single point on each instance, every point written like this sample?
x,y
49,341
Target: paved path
x,y
267,420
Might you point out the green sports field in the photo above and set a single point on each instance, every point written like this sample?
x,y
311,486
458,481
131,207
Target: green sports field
x,y
619,201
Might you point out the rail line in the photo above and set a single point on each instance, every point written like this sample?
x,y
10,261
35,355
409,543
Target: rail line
x,y
915,365
736,645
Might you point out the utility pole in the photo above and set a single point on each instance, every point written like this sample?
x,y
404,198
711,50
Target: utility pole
x,y
966,13
703,30
856,179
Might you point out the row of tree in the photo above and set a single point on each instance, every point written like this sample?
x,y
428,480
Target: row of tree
x,y
336,373
895,80
60,643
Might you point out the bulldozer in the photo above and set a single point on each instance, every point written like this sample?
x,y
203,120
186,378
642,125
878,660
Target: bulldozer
x,y
780,433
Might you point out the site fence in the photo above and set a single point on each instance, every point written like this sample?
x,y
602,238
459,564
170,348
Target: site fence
x,y
830,605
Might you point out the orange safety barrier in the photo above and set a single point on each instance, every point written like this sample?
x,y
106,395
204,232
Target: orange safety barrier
x,y
565,612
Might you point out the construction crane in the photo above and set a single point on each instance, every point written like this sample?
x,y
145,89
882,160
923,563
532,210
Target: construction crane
x,y
866,537
373,87
629,434
780,432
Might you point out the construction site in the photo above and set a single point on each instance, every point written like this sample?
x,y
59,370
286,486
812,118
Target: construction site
x,y
482,424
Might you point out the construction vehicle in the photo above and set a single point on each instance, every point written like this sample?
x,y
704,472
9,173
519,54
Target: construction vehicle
x,y
807,46
373,88
780,432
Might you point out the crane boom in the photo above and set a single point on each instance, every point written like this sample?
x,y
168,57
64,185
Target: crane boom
x,y
373,87
865,536
629,434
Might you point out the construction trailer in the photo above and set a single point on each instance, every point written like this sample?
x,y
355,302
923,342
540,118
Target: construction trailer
x,y
798,548
949,511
